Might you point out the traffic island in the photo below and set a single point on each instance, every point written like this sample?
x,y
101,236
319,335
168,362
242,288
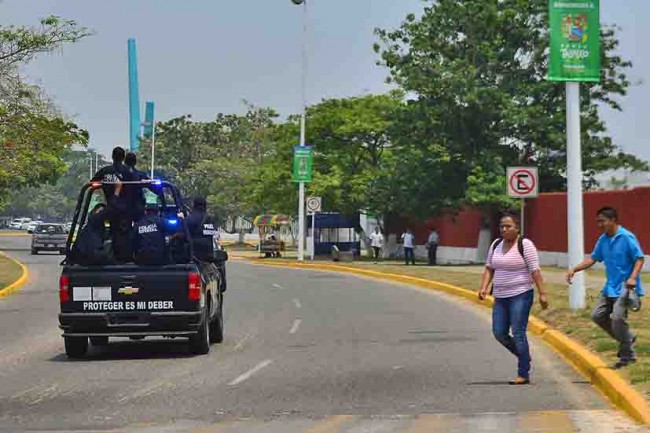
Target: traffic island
x,y
13,275
572,334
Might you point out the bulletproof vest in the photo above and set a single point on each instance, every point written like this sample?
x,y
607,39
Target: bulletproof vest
x,y
150,236
202,230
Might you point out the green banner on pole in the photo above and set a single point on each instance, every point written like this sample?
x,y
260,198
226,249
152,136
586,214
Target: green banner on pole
x,y
302,162
574,40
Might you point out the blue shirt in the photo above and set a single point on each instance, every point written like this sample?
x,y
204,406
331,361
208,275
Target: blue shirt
x,y
619,253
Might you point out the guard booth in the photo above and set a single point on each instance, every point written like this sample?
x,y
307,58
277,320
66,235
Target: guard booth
x,y
333,230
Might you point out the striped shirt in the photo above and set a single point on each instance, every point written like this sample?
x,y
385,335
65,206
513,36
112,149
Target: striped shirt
x,y
512,275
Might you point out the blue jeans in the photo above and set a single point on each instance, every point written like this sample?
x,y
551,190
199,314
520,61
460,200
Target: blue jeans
x,y
512,313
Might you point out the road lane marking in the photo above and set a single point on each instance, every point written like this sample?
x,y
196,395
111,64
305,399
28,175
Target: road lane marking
x,y
331,424
242,342
296,324
250,372
297,303
277,286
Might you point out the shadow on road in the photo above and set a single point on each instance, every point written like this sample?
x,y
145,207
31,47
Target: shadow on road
x,y
132,350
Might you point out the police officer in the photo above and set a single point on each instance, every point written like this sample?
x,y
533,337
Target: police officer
x,y
89,248
203,233
149,238
121,219
135,193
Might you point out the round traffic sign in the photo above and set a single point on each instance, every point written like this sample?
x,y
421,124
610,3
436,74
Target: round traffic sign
x,y
522,182
313,204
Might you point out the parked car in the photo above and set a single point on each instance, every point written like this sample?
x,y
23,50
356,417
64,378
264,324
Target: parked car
x,y
49,237
17,224
32,225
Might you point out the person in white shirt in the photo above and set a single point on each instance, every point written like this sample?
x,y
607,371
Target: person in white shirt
x,y
376,242
432,246
409,243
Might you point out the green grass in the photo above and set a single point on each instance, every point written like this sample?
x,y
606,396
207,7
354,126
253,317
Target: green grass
x,y
9,271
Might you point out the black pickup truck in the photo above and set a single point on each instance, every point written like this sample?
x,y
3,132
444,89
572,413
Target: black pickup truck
x,y
180,299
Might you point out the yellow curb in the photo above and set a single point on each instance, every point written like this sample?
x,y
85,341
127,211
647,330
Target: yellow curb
x,y
587,363
20,282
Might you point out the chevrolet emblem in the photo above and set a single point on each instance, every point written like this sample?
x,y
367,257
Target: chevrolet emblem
x,y
128,290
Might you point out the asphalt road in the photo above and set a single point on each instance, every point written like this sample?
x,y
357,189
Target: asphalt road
x,y
304,351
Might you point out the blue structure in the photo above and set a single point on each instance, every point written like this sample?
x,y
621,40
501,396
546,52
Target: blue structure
x,y
134,98
335,229
148,120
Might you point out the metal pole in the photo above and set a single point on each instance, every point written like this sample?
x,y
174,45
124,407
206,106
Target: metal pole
x,y
523,218
313,235
90,156
301,192
96,161
574,183
153,146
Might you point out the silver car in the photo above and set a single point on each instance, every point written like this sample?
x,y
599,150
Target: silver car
x,y
49,237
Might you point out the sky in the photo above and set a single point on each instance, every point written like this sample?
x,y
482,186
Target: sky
x,y
202,57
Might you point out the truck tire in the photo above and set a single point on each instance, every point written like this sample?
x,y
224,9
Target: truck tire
x,y
100,341
200,342
75,347
216,326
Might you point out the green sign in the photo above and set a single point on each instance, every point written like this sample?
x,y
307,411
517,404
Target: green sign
x,y
575,40
302,161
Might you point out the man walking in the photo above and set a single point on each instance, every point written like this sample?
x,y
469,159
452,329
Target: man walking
x,y
409,243
376,242
432,246
621,253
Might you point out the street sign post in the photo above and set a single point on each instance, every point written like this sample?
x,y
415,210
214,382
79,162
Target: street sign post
x,y
574,56
523,183
313,205
302,162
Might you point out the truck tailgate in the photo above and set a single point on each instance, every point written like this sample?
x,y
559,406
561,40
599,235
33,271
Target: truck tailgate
x,y
126,288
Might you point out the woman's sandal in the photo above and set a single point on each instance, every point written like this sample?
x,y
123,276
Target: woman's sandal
x,y
520,381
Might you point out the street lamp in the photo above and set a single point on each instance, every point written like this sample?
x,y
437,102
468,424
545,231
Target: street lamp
x,y
301,191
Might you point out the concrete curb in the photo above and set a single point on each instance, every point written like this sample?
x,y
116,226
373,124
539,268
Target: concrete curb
x,y
587,363
20,282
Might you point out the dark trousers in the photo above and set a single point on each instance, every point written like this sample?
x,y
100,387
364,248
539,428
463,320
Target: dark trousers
x,y
433,253
122,240
409,253
512,313
375,252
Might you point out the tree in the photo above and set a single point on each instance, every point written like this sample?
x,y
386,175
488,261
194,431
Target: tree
x,y
477,71
33,134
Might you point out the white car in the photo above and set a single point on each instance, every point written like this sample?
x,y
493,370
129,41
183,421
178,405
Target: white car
x,y
17,224
32,225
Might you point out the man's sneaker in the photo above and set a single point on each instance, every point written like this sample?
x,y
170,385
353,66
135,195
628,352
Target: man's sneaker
x,y
632,341
623,363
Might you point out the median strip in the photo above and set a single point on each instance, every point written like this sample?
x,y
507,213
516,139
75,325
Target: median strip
x,y
18,282
587,363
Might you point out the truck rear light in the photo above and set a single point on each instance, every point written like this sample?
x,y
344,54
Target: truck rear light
x,y
64,288
194,287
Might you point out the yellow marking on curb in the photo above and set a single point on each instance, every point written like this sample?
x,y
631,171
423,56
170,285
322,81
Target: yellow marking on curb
x,y
585,362
20,282
331,424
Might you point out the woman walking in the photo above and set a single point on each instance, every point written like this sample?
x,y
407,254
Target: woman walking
x,y
513,266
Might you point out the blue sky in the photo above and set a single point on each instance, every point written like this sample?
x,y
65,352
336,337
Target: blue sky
x,y
202,57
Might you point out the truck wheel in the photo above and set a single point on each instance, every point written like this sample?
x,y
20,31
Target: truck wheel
x,y
100,341
75,347
216,327
200,342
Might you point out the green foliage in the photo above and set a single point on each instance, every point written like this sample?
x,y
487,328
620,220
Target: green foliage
x,y
33,134
477,71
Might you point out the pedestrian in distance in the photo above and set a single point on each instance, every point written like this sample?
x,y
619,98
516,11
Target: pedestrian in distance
x,y
432,246
408,238
620,251
376,243
512,265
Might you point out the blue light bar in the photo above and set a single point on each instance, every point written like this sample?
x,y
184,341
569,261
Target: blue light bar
x,y
157,182
172,222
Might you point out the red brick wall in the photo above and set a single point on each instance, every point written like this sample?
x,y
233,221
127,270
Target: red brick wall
x,y
546,221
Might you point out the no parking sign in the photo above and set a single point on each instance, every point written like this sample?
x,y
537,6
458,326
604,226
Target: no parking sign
x,y
523,182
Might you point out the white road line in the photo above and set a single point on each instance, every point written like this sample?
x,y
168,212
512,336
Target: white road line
x,y
297,303
277,286
242,342
250,372
296,324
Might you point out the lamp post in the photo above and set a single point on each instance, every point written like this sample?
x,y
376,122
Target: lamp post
x,y
301,191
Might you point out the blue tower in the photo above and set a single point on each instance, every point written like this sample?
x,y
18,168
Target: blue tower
x,y
134,98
